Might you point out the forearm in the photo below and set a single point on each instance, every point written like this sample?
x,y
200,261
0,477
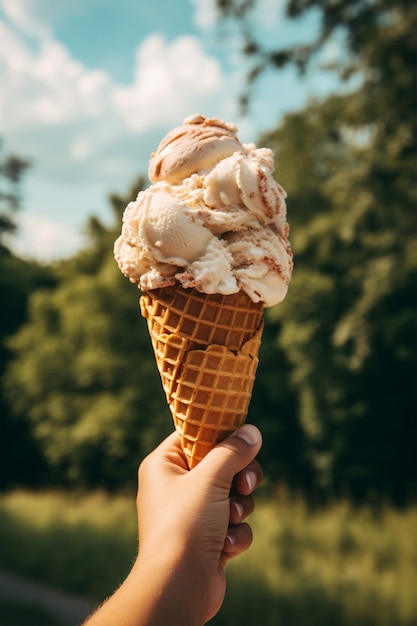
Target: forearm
x,y
157,592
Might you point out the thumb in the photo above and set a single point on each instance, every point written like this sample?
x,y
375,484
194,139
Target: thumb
x,y
233,454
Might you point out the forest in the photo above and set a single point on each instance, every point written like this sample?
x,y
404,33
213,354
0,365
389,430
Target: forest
x,y
81,401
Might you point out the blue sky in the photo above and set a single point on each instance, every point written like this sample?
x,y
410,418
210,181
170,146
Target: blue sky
x,y
89,87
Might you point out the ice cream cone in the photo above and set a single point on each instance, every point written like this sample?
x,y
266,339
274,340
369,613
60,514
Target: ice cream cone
x,y
206,348
214,220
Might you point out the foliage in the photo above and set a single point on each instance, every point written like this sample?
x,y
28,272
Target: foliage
x,y
337,565
334,392
20,463
12,169
360,24
90,384
18,278
81,544
17,613
347,328
348,324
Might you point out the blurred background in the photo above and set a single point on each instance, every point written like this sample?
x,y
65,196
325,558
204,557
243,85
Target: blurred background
x,y
87,90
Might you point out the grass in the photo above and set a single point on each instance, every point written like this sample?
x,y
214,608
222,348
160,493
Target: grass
x,y
336,566
81,544
14,613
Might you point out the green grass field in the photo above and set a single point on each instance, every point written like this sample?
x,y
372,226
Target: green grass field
x,y
15,613
337,566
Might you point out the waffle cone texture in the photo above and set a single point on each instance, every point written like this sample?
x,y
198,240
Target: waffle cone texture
x,y
206,348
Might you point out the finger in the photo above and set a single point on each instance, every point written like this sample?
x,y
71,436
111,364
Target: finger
x,y
168,455
246,481
232,455
238,539
240,508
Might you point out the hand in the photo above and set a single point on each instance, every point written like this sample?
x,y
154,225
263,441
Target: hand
x,y
190,525
194,515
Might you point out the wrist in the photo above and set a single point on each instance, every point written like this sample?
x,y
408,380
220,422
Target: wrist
x,y
173,587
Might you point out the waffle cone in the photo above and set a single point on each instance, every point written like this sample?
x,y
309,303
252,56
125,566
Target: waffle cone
x,y
206,348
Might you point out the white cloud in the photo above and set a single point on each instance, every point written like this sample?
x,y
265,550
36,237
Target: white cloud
x,y
44,239
45,86
24,14
80,127
172,80
36,18
73,120
205,14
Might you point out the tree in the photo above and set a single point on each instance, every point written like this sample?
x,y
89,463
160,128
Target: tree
x,y
363,23
12,169
334,393
347,328
21,462
83,371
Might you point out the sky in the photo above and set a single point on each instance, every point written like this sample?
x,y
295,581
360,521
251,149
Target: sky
x,y
88,88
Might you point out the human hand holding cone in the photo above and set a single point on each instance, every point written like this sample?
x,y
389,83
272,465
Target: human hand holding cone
x,y
208,246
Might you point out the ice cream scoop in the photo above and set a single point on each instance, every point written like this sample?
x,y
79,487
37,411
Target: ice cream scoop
x,y
214,219
195,146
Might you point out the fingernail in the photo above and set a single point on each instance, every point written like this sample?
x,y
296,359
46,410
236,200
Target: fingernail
x,y
249,433
239,509
231,539
250,480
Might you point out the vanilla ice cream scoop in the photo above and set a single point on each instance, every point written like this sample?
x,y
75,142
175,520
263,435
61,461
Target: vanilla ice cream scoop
x,y
170,229
214,219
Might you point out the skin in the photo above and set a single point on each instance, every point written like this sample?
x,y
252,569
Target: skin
x,y
190,524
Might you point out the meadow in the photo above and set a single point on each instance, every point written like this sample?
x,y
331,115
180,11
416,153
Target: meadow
x,y
337,565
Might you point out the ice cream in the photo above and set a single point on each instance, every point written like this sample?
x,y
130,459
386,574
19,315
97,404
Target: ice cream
x,y
208,245
214,219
